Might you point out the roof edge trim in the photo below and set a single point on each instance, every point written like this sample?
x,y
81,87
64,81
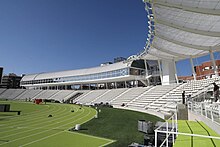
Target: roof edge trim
x,y
187,8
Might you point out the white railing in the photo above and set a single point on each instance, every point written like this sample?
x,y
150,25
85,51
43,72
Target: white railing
x,y
174,126
209,110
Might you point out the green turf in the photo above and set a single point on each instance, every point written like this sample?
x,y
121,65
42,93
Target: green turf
x,y
34,128
119,125
197,128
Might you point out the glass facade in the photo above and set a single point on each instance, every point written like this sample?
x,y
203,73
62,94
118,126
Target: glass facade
x,y
97,76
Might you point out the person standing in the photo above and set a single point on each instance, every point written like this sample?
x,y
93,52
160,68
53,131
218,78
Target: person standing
x,y
183,97
216,92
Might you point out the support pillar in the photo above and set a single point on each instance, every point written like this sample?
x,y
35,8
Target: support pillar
x,y
168,72
146,71
160,71
175,72
192,67
213,63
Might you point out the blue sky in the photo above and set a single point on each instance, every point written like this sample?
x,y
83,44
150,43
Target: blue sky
x,y
53,35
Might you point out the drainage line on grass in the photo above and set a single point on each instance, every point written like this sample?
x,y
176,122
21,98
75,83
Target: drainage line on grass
x,y
191,133
207,132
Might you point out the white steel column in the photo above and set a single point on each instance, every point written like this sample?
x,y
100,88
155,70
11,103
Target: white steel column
x,y
213,63
192,67
106,87
146,71
159,66
168,72
174,64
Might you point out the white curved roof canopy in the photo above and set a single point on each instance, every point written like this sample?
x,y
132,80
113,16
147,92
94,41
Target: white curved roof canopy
x,y
68,73
182,28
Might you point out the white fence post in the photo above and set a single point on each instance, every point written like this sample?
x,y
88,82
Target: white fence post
x,y
176,123
155,143
173,117
167,134
206,112
201,109
218,110
212,115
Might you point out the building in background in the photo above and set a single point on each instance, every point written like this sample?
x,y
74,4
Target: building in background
x,y
203,71
10,81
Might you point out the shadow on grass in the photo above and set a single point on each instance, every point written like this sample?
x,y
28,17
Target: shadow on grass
x,y
4,140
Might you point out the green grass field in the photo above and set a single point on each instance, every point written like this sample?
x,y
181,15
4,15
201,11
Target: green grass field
x,y
112,128
119,125
195,128
34,128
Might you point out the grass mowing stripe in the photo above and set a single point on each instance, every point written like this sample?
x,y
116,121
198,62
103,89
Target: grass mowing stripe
x,y
66,139
43,116
26,122
34,128
41,139
207,132
30,113
34,116
55,133
37,133
91,136
191,133
33,122
61,136
110,141
107,143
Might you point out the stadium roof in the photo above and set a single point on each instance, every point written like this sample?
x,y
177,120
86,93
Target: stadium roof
x,y
78,72
180,29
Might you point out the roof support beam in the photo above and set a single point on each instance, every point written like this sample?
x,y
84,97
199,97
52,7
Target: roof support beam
x,y
160,56
170,52
187,8
200,32
186,45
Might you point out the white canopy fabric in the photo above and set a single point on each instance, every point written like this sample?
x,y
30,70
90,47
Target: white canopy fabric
x,y
182,28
